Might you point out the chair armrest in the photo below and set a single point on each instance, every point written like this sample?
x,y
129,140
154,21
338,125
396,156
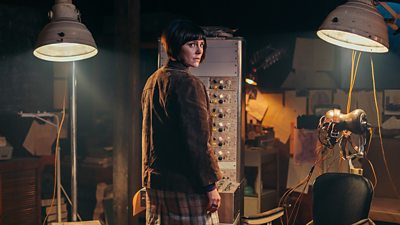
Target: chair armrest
x,y
264,217
139,202
361,222
367,221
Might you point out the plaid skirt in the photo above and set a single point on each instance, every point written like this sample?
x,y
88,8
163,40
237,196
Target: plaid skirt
x,y
178,208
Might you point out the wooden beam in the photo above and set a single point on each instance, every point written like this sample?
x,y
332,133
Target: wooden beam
x,y
127,131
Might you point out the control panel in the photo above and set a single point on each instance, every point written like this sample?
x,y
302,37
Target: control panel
x,y
223,98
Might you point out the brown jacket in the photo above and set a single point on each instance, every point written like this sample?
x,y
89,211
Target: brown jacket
x,y
176,133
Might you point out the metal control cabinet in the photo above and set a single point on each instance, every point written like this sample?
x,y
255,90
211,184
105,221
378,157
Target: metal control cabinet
x,y
221,73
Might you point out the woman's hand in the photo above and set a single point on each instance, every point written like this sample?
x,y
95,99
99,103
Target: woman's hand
x,y
214,200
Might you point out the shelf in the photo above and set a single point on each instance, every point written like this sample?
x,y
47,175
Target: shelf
x,y
262,174
269,192
385,209
264,192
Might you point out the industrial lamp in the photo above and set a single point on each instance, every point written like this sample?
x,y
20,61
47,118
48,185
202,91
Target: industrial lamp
x,y
356,25
251,79
66,39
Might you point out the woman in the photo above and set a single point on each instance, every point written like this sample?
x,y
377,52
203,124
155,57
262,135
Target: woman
x,y
179,166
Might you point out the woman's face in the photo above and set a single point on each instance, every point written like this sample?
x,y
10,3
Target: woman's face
x,y
191,53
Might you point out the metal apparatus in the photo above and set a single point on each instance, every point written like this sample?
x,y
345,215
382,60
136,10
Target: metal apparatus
x,y
221,73
335,127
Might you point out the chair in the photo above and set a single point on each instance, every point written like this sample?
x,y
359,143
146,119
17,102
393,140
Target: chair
x,y
139,202
338,198
265,217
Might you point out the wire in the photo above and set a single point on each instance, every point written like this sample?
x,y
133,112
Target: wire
x,y
373,173
371,131
369,161
351,81
284,199
297,204
353,76
285,196
57,152
380,132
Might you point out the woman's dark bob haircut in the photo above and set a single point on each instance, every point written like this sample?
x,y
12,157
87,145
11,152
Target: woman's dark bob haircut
x,y
177,33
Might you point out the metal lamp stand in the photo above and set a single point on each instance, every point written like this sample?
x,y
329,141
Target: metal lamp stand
x,y
74,186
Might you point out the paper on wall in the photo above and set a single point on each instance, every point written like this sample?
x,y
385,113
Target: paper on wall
x,y
281,119
40,138
257,108
298,104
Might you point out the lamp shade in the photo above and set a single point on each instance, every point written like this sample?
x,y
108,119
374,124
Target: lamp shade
x,y
356,25
65,38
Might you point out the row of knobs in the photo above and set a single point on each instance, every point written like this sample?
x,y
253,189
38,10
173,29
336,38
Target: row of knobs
x,y
220,141
220,84
223,156
220,113
219,98
220,127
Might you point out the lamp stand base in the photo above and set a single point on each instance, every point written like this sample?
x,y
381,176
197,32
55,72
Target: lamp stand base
x,y
93,222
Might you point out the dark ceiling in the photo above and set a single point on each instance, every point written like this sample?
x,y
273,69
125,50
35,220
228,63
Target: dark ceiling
x,y
260,22
254,19
250,17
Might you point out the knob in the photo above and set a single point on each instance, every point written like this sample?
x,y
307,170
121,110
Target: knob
x,y
220,155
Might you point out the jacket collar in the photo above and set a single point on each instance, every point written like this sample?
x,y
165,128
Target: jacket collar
x,y
176,65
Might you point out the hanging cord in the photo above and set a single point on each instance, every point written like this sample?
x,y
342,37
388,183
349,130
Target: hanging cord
x,y
353,75
352,81
57,152
380,132
369,161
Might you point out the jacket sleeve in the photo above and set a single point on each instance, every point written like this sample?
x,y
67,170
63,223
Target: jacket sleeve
x,y
193,107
